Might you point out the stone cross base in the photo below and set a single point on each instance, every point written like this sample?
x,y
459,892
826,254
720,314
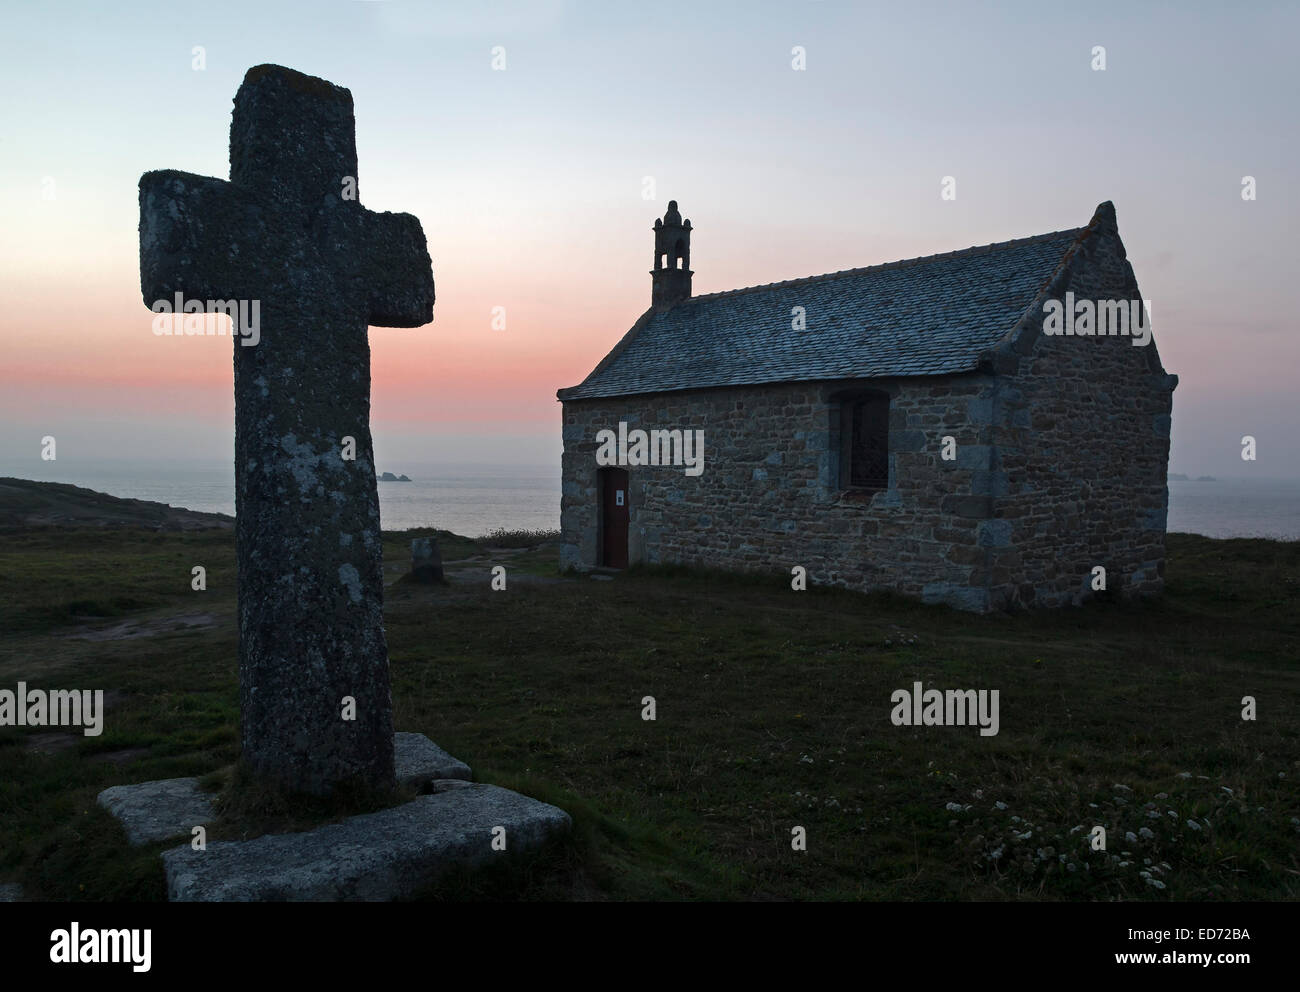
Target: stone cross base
x,y
154,811
380,856
375,857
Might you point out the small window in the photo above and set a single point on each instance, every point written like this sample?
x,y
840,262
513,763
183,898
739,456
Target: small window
x,y
864,441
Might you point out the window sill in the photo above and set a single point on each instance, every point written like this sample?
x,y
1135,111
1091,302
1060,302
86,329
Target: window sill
x,y
856,496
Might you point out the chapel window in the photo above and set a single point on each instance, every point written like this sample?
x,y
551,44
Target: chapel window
x,y
864,441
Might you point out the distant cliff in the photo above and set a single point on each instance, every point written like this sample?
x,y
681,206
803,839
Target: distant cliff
x,y
24,503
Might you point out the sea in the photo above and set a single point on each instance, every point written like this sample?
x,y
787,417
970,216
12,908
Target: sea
x,y
476,499
472,500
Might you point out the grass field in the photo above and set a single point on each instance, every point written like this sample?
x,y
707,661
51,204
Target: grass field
x,y
772,711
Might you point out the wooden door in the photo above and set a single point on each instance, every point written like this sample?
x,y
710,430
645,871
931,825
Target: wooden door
x,y
614,517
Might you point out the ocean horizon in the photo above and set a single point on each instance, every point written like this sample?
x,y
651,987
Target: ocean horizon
x,y
467,499
475,499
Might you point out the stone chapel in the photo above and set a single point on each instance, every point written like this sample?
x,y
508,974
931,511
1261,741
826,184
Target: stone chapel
x,y
983,428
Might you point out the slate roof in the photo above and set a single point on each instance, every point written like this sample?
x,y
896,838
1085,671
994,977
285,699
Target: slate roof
x,y
923,316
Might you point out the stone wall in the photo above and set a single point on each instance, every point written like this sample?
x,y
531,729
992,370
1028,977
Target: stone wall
x,y
769,497
1081,433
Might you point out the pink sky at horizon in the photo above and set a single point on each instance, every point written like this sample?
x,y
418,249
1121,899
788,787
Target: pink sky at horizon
x,y
529,185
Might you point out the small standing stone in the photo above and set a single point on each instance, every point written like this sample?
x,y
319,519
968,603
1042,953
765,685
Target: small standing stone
x,y
426,560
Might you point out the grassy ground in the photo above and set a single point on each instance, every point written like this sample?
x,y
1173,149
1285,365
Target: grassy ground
x,y
772,712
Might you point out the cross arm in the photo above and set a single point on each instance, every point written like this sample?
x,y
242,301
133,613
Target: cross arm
x,y
399,280
191,228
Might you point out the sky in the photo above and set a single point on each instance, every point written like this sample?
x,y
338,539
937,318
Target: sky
x,y
537,182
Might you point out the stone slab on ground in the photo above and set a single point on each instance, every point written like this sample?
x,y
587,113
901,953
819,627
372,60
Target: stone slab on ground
x,y
154,811
420,761
374,857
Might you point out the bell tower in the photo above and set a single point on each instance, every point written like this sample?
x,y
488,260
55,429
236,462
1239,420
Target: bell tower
x,y
671,276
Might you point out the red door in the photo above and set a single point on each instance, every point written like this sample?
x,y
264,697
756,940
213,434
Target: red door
x,y
613,517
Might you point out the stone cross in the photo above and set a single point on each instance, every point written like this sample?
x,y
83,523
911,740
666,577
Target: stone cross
x,y
288,235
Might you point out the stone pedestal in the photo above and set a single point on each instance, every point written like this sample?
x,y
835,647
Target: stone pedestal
x,y
379,856
376,857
